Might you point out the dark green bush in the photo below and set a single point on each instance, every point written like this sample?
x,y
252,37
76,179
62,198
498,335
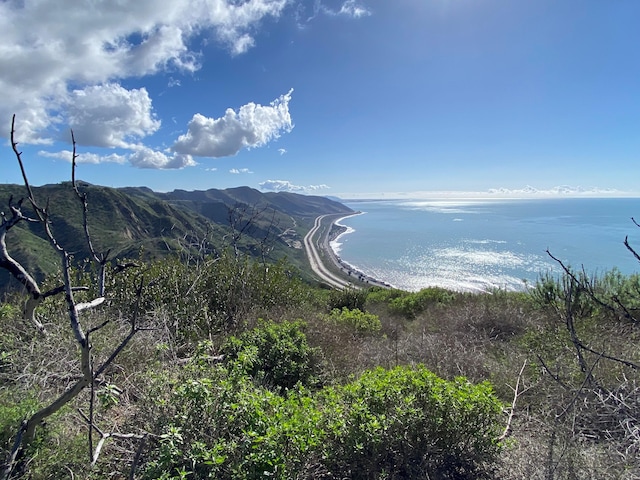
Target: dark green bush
x,y
276,354
347,297
211,296
400,423
361,322
412,424
410,304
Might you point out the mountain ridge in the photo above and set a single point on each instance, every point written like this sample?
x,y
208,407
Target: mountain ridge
x,y
137,221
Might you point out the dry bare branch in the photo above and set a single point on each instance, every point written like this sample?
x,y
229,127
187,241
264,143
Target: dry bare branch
x,y
512,409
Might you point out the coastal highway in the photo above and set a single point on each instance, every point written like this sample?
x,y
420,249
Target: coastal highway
x,y
313,254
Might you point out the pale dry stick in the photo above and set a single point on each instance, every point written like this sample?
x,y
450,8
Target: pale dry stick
x,y
106,435
512,409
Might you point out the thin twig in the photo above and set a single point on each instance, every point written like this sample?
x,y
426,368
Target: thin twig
x,y
516,394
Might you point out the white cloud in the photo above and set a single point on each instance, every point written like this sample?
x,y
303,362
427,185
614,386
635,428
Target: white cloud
x,y
349,8
145,157
109,115
287,186
557,191
239,171
282,151
252,126
317,187
352,9
93,158
280,186
49,47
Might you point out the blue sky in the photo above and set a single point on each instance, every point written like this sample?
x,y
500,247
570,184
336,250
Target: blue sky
x,y
352,98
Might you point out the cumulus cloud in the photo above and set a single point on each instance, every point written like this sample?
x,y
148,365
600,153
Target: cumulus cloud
x,y
109,115
50,47
238,171
141,157
287,186
144,157
253,125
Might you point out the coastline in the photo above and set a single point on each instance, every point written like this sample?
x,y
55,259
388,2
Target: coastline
x,y
329,243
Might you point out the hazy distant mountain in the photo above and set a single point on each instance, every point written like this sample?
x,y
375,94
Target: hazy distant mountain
x,y
135,220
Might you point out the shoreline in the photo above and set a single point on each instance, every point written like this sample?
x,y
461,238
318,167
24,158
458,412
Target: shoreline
x,y
335,231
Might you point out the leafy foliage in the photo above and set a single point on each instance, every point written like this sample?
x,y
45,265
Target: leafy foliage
x,y
361,322
210,296
276,354
410,304
410,423
347,297
402,422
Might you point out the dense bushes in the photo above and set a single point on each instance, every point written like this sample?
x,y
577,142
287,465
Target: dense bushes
x,y
307,399
399,423
410,304
276,355
208,297
361,322
408,423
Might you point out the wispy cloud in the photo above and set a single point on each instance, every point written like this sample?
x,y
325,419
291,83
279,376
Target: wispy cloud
x,y
557,191
85,157
238,171
282,151
349,8
287,186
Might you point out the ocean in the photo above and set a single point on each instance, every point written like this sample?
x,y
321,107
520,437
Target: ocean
x,y
480,245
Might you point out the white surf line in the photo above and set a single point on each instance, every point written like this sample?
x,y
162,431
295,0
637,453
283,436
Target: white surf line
x,y
314,258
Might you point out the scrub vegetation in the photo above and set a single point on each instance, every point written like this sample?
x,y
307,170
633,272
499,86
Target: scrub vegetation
x,y
225,365
272,379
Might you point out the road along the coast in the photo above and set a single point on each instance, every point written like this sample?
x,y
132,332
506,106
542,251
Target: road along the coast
x,y
313,254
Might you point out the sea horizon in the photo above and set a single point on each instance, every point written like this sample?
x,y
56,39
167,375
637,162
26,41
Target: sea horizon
x,y
471,244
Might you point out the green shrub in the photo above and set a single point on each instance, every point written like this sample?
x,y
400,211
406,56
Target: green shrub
x,y
410,304
276,354
224,426
211,296
347,297
400,423
12,412
8,311
383,295
361,322
414,424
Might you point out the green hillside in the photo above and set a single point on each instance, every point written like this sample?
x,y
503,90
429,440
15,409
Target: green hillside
x,y
135,220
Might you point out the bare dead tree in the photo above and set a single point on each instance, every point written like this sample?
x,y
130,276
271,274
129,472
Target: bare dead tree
x,y
593,405
89,372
